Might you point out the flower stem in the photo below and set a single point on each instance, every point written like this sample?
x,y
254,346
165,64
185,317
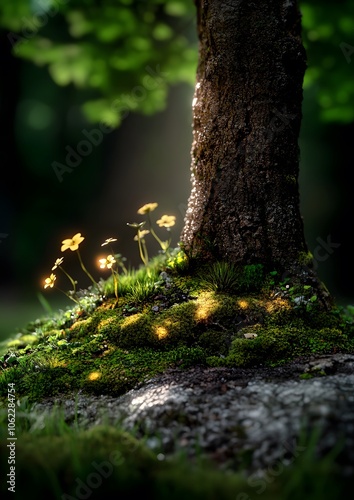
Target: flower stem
x,y
142,256
145,250
115,281
153,232
69,296
70,278
86,271
119,262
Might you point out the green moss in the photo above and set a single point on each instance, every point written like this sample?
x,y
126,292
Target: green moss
x,y
178,262
134,331
215,361
215,342
274,345
83,327
23,341
291,179
177,326
181,323
251,278
305,259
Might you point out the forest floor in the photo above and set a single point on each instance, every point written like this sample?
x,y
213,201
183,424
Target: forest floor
x,y
229,385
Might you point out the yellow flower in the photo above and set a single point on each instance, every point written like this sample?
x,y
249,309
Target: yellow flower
x,y
109,240
142,233
58,263
166,221
107,262
148,207
49,282
72,243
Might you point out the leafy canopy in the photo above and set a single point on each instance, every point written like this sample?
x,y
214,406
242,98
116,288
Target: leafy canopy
x,y
328,35
123,54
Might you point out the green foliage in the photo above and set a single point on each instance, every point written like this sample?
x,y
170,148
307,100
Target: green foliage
x,y
122,55
302,296
251,278
220,277
142,289
328,38
215,343
137,285
178,261
226,277
348,313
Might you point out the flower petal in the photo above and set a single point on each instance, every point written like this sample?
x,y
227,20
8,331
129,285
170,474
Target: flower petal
x,y
148,207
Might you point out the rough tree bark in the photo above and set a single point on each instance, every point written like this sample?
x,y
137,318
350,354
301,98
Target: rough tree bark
x,y
244,204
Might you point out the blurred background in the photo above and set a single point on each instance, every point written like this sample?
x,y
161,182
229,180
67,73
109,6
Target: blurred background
x,y
95,101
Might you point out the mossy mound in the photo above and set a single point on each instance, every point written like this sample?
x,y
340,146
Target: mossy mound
x,y
171,315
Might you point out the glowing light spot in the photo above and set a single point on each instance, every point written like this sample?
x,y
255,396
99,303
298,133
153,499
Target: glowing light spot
x,y
105,322
203,312
131,320
161,332
151,398
55,363
275,305
206,306
94,376
243,304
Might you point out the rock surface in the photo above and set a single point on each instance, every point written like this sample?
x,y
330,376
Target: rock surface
x,y
252,418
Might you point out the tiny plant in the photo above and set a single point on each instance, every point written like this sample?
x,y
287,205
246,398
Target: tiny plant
x,y
220,277
113,261
50,282
178,261
109,262
300,295
139,237
73,244
166,221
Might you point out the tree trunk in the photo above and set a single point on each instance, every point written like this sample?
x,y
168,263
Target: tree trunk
x,y
244,204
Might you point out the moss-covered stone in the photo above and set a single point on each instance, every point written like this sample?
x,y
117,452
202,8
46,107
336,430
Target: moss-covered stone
x,y
274,345
113,348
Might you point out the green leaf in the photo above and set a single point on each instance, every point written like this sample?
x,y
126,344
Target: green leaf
x,y
162,32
